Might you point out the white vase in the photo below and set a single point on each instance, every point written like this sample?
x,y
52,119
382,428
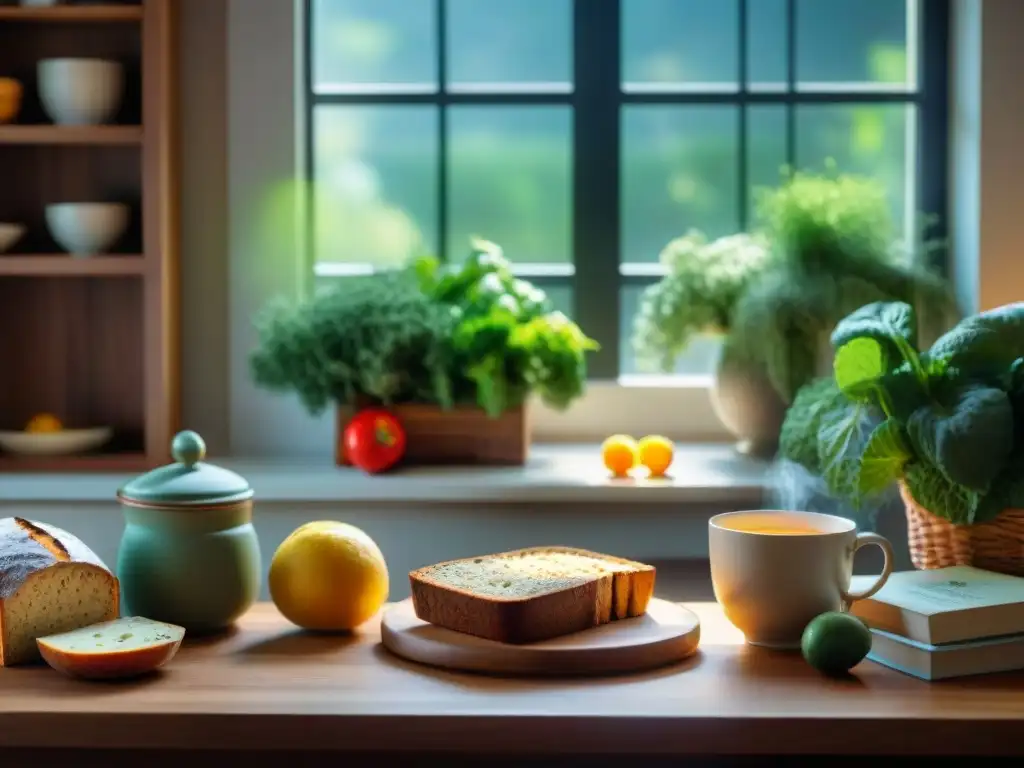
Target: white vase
x,y
747,404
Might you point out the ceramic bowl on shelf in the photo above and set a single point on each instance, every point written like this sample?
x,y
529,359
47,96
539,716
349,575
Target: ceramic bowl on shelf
x,y
10,234
62,443
10,99
86,229
80,91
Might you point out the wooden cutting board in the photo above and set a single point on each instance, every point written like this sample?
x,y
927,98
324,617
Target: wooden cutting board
x,y
667,633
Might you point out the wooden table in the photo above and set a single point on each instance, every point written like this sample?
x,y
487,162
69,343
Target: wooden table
x,y
269,687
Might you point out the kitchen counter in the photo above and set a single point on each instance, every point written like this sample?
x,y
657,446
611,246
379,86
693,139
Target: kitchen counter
x,y
267,686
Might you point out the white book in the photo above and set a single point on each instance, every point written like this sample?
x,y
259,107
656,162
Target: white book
x,y
947,605
940,662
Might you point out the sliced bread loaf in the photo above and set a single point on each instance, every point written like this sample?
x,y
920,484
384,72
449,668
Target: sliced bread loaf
x,y
531,594
49,582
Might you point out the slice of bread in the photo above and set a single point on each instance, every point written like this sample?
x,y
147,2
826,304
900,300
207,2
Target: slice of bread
x,y
531,594
125,647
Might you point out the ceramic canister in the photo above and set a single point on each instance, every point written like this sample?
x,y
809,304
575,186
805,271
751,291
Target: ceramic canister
x,y
189,554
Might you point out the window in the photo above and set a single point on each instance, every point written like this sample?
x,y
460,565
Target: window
x,y
584,135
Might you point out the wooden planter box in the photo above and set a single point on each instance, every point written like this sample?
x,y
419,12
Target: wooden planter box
x,y
457,436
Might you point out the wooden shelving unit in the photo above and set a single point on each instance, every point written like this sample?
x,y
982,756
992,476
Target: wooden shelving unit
x,y
92,340
100,135
73,13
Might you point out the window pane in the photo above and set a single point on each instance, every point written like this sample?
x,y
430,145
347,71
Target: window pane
x,y
510,181
561,297
374,45
866,139
767,61
524,45
376,183
679,171
680,44
700,358
846,43
766,149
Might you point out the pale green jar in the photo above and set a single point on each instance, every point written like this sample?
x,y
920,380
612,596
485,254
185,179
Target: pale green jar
x,y
189,554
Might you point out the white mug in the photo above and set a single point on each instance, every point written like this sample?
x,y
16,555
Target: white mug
x,y
774,571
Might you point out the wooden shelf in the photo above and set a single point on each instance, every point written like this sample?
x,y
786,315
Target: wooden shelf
x,y
73,13
92,340
103,135
88,462
63,265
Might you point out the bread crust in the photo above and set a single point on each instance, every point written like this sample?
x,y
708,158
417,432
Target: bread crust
x,y
600,599
28,550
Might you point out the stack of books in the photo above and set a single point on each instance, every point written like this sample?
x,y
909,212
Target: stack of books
x,y
945,623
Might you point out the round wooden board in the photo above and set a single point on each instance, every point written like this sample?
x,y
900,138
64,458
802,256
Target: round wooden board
x,y
666,633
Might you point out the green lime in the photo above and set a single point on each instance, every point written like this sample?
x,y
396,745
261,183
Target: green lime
x,y
834,643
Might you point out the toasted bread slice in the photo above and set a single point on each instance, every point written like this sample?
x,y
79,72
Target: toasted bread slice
x,y
531,594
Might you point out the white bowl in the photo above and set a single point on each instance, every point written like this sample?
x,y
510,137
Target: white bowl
x,y
86,229
80,91
10,234
62,443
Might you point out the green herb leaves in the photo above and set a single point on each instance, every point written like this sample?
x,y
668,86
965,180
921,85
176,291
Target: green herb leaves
x,y
883,321
969,439
883,460
954,417
859,364
984,344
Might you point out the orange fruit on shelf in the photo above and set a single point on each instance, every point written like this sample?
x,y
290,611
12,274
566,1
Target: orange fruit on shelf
x,y
656,453
619,454
44,423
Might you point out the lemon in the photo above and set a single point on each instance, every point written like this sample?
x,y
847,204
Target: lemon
x,y
834,643
328,576
655,453
44,423
619,454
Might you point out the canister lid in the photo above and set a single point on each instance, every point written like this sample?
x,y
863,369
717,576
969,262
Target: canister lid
x,y
189,481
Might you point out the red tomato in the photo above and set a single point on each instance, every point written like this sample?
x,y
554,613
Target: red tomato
x,y
374,440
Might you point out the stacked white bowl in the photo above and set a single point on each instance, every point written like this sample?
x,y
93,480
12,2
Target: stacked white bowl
x,y
86,229
80,91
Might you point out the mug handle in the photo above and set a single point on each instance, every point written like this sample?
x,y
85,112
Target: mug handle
x,y
864,540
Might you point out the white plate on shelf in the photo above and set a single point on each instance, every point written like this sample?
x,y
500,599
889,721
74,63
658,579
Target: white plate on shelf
x,y
63,443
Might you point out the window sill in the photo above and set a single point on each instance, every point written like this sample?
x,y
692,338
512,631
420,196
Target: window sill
x,y
555,473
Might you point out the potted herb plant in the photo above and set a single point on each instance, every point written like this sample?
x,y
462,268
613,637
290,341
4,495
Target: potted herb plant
x,y
946,423
703,282
831,245
453,351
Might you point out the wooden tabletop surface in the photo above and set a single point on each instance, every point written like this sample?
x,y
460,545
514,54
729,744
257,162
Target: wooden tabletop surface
x,y
270,686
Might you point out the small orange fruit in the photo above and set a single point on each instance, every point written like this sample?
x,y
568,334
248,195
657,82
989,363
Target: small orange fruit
x,y
619,454
655,453
44,423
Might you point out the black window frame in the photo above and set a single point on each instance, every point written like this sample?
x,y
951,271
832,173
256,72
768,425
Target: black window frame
x,y
596,100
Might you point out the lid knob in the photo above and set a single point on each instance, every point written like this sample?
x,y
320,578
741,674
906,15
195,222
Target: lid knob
x,y
188,448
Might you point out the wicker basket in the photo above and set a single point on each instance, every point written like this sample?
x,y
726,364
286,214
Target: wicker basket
x,y
997,545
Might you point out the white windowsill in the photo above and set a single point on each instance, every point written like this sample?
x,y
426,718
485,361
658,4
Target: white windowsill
x,y
555,473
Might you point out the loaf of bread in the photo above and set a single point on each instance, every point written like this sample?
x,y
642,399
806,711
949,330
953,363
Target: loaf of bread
x,y
531,594
125,647
49,582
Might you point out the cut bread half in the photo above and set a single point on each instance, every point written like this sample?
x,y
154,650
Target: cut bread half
x,y
126,647
531,594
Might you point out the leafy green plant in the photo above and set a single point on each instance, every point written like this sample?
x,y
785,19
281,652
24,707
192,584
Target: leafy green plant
x,y
946,421
467,333
834,247
702,284
824,245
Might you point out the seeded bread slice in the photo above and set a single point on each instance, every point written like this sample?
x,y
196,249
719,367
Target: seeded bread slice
x,y
531,594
